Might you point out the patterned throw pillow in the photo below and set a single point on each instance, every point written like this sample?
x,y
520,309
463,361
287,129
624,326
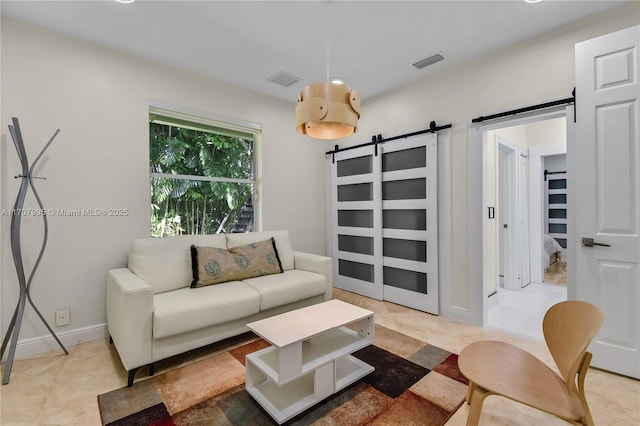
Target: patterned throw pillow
x,y
213,265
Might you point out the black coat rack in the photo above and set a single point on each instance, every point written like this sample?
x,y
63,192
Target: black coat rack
x,y
16,222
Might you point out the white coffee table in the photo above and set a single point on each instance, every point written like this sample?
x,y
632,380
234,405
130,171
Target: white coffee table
x,y
310,357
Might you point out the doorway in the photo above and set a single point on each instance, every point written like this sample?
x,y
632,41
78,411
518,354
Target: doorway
x,y
519,287
602,136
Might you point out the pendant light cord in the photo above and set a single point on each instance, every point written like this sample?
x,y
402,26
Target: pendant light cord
x,y
328,35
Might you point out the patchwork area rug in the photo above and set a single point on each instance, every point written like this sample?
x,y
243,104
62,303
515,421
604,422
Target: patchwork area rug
x,y
414,383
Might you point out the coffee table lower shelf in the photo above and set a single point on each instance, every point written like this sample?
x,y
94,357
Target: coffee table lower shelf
x,y
285,401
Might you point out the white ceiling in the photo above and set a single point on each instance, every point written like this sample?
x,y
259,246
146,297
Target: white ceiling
x,y
373,44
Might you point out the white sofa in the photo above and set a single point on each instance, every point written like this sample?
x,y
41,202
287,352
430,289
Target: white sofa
x,y
153,313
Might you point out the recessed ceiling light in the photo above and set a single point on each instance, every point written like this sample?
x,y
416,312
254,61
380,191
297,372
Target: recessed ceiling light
x,y
125,1
532,1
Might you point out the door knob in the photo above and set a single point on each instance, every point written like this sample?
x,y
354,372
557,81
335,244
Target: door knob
x,y
588,242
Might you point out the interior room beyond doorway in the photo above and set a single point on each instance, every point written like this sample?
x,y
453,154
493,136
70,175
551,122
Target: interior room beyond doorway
x,y
525,228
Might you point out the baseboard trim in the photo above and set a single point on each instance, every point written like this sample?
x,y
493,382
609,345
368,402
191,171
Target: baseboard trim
x,y
493,300
457,313
35,346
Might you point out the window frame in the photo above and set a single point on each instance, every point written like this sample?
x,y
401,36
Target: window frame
x,y
164,113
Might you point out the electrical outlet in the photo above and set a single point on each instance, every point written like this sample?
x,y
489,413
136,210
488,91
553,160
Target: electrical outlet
x,y
62,317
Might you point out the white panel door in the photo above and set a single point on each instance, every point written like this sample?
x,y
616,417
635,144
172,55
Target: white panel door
x,y
523,220
604,157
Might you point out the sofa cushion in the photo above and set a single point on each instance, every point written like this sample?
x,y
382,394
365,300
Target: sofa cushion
x,y
288,287
215,265
165,263
187,309
283,244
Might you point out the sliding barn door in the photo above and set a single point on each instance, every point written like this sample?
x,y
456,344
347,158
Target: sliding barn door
x,y
356,210
385,238
556,203
410,222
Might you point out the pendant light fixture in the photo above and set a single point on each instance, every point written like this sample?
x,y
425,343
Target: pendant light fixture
x,y
329,109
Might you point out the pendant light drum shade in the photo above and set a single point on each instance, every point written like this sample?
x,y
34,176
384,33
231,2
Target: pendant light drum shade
x,y
328,111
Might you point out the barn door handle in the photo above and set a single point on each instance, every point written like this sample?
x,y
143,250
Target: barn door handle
x,y
588,242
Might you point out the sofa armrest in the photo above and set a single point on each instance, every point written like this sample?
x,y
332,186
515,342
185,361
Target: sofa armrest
x,y
130,317
318,264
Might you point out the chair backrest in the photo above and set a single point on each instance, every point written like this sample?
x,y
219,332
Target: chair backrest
x,y
568,329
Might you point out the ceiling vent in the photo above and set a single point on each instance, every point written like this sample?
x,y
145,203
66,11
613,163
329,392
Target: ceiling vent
x,y
284,79
428,61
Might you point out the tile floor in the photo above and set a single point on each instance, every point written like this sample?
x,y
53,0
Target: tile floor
x,y
62,390
521,312
556,273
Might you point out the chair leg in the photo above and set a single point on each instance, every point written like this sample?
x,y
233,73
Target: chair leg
x,y
470,390
477,398
587,419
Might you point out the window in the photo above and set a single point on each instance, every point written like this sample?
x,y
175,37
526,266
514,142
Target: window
x,y
202,174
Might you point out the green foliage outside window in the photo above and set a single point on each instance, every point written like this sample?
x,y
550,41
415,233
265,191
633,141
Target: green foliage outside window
x,y
213,180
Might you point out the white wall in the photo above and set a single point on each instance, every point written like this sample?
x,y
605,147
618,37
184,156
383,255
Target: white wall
x,y
547,133
556,163
99,99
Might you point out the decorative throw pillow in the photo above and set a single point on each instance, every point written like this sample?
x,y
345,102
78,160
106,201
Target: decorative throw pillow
x,y
213,265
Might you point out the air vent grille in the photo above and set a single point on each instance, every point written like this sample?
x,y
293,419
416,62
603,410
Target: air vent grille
x,y
428,61
284,79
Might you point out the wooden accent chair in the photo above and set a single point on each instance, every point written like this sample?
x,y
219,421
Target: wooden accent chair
x,y
499,368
